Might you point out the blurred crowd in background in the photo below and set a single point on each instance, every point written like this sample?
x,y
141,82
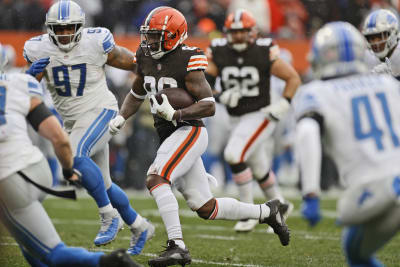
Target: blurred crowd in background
x,y
289,19
132,151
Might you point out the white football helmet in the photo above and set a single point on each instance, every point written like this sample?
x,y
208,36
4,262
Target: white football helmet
x,y
381,29
337,49
3,57
61,15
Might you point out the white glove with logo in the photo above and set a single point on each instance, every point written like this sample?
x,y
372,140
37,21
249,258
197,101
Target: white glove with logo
x,y
277,110
115,125
385,67
230,98
165,110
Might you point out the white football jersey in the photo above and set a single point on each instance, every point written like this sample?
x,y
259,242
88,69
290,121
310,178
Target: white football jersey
x,y
361,118
76,79
372,61
16,149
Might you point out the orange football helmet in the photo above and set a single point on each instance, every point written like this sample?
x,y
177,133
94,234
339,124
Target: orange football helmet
x,y
240,28
162,31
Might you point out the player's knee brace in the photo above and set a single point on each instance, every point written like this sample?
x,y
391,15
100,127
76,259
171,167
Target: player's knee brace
x,y
267,181
260,171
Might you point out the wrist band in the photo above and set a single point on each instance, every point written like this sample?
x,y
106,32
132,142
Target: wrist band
x,y
67,173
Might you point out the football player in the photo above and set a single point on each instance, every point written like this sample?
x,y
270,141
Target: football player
x,y
355,117
165,62
245,64
381,29
71,59
25,175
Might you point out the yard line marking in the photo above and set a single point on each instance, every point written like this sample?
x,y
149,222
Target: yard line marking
x,y
9,244
193,260
220,237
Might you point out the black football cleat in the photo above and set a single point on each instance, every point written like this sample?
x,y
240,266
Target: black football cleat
x,y
172,255
117,258
277,221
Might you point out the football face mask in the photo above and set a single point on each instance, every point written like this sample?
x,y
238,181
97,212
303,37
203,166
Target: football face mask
x,y
151,43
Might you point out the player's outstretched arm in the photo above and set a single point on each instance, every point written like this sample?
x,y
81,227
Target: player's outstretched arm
x,y
286,72
121,58
199,88
309,151
43,121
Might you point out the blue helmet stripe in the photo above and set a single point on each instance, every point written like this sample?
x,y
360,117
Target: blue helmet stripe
x,y
372,20
348,45
63,11
346,52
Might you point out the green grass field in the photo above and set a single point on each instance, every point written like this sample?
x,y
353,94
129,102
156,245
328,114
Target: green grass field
x,y
211,243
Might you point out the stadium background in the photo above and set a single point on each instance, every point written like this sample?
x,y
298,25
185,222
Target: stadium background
x,y
290,22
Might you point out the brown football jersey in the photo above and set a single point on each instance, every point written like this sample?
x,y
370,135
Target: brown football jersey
x,y
247,71
169,72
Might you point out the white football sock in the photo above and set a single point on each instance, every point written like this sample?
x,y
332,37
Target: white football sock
x,y
231,209
107,208
273,192
138,224
244,184
270,188
169,210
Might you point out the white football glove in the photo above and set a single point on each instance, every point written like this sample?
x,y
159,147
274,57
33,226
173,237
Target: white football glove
x,y
115,125
385,67
230,98
278,110
165,110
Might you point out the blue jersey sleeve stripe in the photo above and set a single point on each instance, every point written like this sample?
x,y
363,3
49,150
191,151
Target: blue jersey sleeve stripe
x,y
36,92
27,58
33,85
108,45
108,37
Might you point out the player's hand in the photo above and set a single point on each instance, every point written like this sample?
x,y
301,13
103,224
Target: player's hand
x,y
310,210
115,125
278,110
164,110
38,66
384,67
230,98
73,176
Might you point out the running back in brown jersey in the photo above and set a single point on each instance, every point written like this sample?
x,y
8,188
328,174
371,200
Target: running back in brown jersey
x,y
248,71
169,72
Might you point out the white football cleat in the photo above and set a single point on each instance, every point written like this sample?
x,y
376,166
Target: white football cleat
x,y
245,225
111,224
139,238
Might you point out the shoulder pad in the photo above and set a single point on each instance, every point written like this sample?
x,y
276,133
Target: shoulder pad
x,y
33,47
28,84
197,58
264,42
219,42
103,36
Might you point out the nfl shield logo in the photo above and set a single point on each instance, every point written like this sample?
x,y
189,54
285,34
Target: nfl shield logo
x,y
158,67
240,60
